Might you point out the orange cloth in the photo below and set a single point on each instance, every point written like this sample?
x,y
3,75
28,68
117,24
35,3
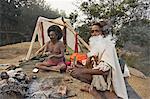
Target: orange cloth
x,y
79,57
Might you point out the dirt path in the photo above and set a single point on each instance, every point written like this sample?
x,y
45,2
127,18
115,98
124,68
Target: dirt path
x,y
13,53
141,86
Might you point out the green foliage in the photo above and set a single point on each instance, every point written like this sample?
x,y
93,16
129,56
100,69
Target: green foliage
x,y
139,62
121,15
131,60
137,32
118,12
9,13
84,32
73,17
21,15
30,14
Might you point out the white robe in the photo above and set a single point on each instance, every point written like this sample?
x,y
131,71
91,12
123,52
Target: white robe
x,y
106,52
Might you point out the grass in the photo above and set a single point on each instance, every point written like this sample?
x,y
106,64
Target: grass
x,y
138,63
131,60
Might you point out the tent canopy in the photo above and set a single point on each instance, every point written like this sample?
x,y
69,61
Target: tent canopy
x,y
41,30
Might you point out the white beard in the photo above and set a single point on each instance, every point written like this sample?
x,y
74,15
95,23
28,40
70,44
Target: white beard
x,y
96,43
94,40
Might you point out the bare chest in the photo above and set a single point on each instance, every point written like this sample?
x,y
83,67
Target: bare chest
x,y
54,48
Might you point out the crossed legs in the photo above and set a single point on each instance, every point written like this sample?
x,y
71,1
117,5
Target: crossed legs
x,y
45,66
87,78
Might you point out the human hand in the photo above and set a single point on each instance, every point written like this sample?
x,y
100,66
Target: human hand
x,y
89,63
77,72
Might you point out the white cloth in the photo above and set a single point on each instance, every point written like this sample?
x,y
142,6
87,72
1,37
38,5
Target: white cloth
x,y
126,71
102,66
106,51
98,81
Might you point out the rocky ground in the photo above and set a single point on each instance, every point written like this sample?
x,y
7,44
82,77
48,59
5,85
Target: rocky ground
x,y
11,54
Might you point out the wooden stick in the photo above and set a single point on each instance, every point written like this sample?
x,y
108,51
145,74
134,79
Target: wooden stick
x,y
56,23
31,45
37,52
32,41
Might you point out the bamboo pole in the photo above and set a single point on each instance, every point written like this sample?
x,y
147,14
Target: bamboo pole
x,y
31,45
37,52
32,42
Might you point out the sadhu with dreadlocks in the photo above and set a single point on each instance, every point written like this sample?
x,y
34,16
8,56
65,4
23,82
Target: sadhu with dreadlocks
x,y
54,49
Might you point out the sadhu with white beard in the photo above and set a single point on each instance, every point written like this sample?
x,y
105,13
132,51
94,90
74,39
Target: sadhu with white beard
x,y
105,76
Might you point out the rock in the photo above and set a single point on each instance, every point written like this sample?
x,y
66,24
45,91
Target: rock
x,y
62,89
11,73
19,70
38,95
34,86
4,75
12,80
137,73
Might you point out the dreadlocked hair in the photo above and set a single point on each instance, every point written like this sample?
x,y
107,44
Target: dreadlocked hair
x,y
55,29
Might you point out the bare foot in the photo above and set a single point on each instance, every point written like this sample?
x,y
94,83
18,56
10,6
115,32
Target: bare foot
x,y
92,91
